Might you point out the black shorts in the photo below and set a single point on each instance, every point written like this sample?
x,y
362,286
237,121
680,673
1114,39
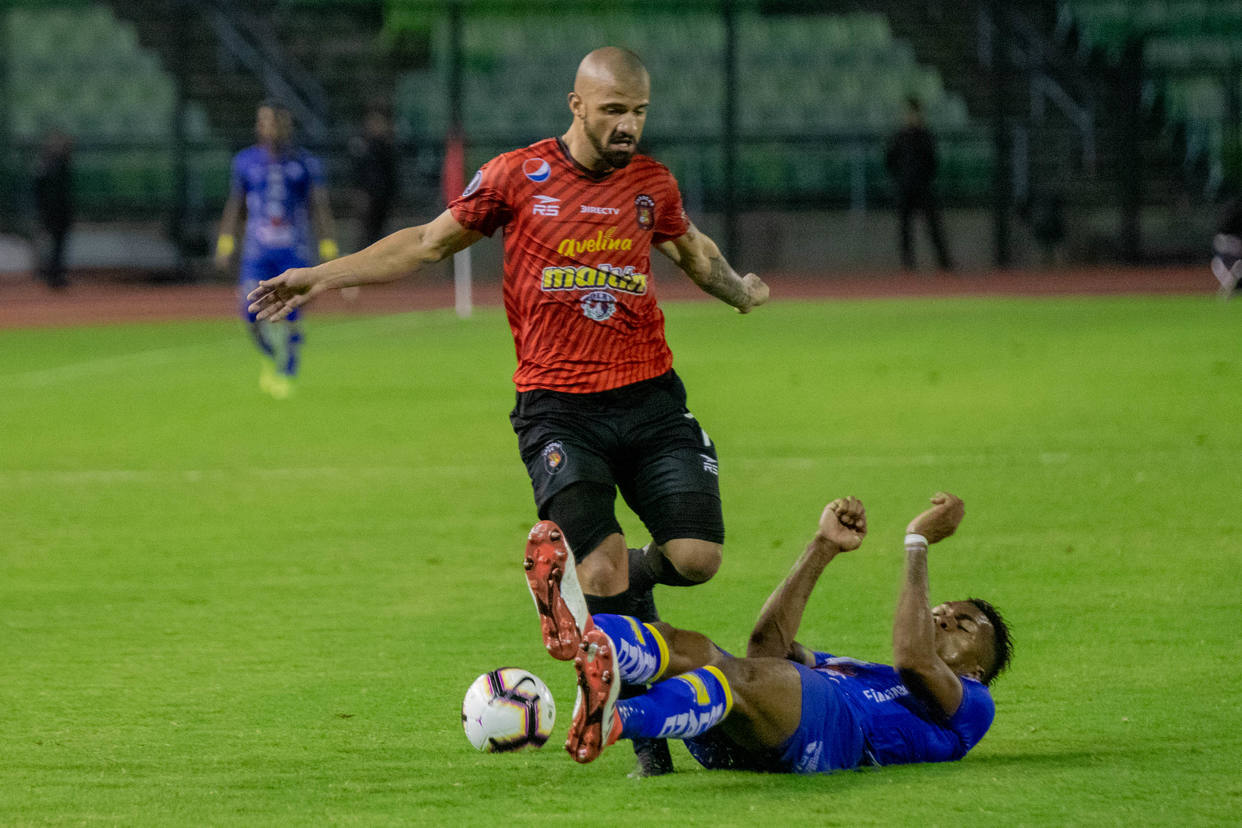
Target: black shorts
x,y
639,438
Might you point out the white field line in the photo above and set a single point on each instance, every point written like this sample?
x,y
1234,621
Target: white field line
x,y
146,477
21,477
882,461
343,331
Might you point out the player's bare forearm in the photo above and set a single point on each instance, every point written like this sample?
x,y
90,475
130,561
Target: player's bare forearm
x,y
778,622
700,259
914,645
921,668
720,280
393,257
230,225
914,642
842,527
401,254
231,219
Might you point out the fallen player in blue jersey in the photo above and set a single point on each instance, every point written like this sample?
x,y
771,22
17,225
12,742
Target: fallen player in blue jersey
x,y
783,708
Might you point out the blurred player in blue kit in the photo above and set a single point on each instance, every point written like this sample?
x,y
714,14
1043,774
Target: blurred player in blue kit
x,y
784,708
278,188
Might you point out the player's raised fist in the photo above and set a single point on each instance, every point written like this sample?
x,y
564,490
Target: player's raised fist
x,y
756,289
844,523
941,520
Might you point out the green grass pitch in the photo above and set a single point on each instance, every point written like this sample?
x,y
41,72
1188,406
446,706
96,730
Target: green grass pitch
x,y
218,609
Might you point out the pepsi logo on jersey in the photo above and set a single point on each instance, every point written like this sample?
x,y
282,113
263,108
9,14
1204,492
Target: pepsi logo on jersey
x,y
536,169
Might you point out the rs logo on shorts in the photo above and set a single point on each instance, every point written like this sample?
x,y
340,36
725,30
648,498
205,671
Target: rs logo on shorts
x,y
554,457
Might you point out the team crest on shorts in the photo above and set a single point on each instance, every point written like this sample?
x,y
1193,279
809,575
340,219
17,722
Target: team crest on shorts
x,y
644,209
554,457
599,305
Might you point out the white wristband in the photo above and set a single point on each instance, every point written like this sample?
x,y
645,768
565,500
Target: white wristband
x,y
914,539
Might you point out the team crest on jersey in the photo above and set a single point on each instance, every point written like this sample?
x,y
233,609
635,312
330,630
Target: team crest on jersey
x,y
554,457
599,305
644,208
536,169
473,185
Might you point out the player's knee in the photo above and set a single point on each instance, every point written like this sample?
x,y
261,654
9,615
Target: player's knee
x,y
695,560
585,513
604,570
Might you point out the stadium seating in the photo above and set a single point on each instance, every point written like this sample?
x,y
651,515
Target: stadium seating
x,y
817,95
843,77
77,68
1190,51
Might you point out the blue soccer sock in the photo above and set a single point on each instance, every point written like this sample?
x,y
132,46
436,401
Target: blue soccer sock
x,y
641,653
678,708
259,333
293,349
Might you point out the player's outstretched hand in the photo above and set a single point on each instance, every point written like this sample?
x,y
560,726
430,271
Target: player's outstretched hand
x,y
756,290
276,298
844,523
941,520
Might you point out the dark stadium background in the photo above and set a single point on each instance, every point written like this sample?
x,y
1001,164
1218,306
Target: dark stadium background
x,y
1122,117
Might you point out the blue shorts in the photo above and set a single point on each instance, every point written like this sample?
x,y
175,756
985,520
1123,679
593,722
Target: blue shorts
x,y
266,264
827,739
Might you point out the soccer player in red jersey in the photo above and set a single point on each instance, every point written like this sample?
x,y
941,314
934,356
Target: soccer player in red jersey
x,y
599,408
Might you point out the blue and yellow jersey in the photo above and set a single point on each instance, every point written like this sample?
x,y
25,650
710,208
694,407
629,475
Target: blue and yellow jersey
x,y
277,190
897,726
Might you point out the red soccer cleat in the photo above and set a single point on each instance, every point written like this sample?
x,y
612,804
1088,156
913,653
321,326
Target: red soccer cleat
x,y
554,585
595,723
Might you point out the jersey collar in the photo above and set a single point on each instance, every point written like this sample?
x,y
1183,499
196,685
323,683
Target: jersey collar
x,y
591,174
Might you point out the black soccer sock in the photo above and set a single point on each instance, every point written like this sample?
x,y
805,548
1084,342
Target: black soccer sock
x,y
642,579
649,567
643,576
618,604
671,577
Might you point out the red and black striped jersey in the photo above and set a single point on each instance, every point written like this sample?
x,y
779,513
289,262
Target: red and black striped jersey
x,y
577,249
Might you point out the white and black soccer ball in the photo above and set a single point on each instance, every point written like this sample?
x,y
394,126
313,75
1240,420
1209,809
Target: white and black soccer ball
x,y
508,709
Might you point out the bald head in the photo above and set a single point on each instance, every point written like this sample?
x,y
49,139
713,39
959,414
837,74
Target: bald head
x,y
612,66
609,103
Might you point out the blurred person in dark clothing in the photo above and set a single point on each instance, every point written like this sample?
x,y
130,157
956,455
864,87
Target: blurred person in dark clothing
x,y
53,191
375,173
911,161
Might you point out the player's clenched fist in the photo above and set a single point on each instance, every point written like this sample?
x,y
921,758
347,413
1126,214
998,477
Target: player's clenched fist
x,y
756,289
844,523
941,520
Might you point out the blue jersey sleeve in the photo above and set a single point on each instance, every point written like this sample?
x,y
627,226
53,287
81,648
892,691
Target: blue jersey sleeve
x,y
974,715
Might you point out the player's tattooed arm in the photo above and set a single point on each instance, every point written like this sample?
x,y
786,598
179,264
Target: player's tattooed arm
x,y
723,283
699,257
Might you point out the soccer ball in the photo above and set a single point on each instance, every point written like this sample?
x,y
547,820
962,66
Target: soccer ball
x,y
508,709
